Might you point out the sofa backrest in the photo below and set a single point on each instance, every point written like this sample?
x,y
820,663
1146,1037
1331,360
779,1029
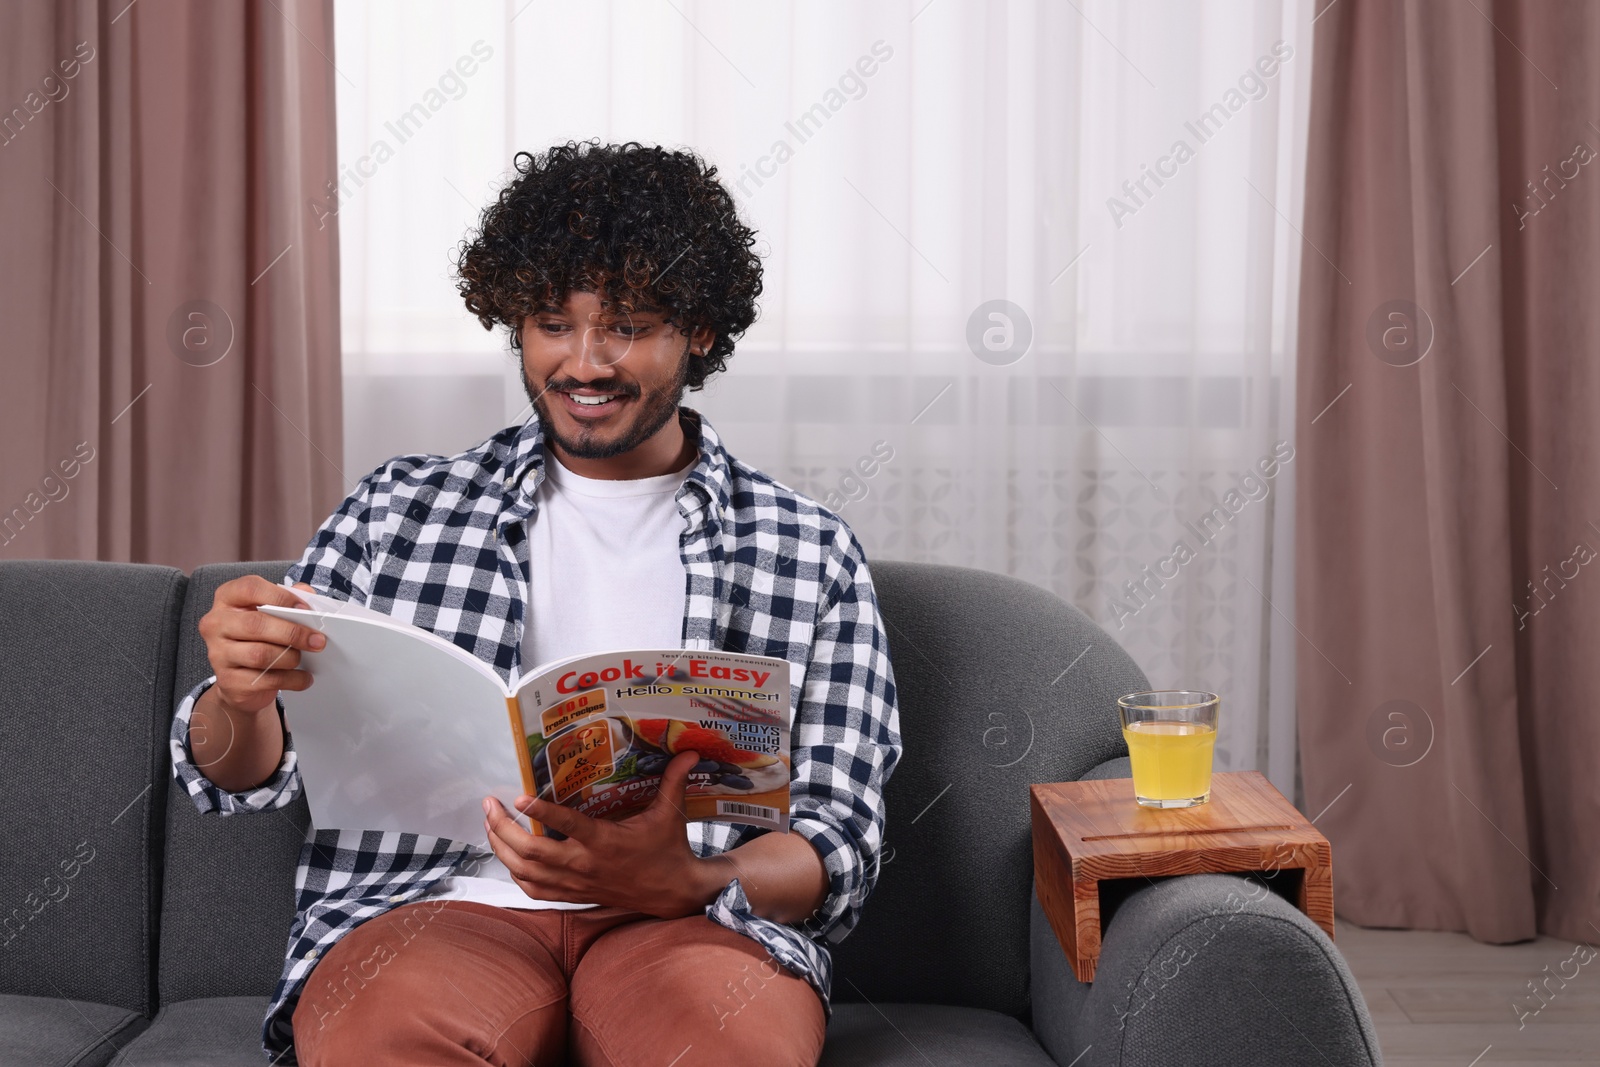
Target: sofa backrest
x,y
229,899
1000,684
86,652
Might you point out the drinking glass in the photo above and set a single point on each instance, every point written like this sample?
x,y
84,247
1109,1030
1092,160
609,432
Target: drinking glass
x,y
1171,735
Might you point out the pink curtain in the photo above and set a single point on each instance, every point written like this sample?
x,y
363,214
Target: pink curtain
x,y
1448,575
170,389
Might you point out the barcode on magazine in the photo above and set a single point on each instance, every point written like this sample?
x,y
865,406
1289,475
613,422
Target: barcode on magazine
x,y
733,807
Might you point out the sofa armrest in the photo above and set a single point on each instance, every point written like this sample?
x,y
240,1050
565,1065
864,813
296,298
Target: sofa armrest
x,y
1203,969
1111,768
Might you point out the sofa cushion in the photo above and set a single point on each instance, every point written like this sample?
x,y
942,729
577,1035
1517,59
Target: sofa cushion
x,y
1000,684
52,1032
85,705
226,1032
229,894
210,1032
916,1035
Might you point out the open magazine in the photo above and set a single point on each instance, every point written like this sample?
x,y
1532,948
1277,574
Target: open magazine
x,y
402,730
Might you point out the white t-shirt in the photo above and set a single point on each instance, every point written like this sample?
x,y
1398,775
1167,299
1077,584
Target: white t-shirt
x,y
605,573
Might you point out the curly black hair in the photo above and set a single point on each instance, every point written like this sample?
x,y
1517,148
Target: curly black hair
x,y
642,226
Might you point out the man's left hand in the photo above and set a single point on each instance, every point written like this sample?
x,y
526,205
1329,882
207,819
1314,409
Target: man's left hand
x,y
643,863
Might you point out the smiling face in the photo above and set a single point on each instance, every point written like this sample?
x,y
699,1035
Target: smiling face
x,y
606,386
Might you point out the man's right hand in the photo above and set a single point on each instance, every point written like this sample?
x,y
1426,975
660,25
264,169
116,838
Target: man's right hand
x,y
253,654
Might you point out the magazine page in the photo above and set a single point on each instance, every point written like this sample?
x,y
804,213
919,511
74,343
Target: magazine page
x,y
395,732
321,606
601,728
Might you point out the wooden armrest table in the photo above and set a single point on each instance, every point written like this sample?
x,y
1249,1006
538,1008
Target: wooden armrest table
x,y
1085,833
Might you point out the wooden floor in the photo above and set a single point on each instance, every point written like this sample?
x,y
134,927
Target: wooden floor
x,y
1445,1000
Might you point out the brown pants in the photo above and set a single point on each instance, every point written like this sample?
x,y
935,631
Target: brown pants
x,y
457,982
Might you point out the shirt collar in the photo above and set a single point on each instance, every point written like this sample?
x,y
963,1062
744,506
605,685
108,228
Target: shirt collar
x,y
711,476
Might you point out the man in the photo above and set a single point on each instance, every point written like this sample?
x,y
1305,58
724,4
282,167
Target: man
x,y
613,517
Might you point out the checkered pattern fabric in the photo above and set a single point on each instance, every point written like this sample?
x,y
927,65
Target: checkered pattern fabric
x,y
440,542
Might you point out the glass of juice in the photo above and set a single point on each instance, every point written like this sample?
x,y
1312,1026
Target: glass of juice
x,y
1171,734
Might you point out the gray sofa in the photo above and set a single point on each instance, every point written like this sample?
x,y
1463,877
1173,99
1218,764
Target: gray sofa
x,y
135,931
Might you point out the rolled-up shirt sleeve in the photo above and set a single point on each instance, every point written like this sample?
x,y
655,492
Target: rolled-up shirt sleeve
x,y
846,741
275,792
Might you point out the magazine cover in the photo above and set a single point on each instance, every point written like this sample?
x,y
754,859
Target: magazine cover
x,y
601,729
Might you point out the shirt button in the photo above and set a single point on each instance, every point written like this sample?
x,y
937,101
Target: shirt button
x,y
397,896
311,955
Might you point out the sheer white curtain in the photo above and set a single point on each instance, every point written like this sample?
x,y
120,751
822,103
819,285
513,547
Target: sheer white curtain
x,y
1029,289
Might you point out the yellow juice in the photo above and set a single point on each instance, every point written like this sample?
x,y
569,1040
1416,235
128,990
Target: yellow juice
x,y
1171,760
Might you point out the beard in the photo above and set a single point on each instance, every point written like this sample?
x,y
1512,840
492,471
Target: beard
x,y
652,410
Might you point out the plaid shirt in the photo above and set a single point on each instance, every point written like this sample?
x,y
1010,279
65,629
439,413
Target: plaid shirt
x,y
440,543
